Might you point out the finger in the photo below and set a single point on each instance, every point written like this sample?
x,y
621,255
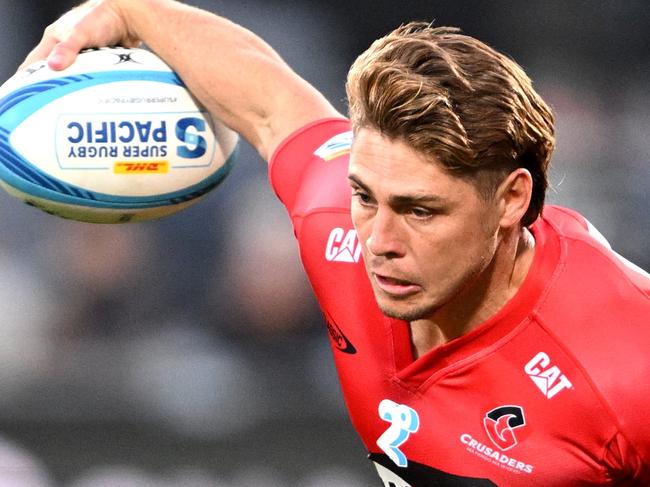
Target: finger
x,y
64,53
40,52
92,24
62,40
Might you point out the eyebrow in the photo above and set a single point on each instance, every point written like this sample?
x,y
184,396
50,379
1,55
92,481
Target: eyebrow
x,y
405,199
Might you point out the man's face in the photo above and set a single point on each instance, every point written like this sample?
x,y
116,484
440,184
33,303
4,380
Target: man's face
x,y
426,235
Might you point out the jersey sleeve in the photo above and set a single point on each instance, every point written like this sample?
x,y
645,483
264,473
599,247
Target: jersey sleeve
x,y
310,161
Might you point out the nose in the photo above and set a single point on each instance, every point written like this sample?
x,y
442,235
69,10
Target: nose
x,y
384,238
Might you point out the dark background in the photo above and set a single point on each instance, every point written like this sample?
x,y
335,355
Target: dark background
x,y
188,351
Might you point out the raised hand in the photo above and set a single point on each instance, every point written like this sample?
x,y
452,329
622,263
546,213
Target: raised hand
x,y
95,23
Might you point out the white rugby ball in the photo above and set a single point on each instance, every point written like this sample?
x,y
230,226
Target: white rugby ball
x,y
116,137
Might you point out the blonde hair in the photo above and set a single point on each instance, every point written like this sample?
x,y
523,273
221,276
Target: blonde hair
x,y
457,100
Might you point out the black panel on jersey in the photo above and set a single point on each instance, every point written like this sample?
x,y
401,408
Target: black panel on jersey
x,y
418,475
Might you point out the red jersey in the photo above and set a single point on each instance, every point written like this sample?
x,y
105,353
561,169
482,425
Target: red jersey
x,y
552,390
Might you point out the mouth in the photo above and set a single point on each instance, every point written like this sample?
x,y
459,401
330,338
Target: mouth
x,y
395,287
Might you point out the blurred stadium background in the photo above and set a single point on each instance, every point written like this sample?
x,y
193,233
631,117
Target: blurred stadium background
x,y
188,351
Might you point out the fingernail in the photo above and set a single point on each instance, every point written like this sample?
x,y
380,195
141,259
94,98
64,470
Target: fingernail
x,y
54,60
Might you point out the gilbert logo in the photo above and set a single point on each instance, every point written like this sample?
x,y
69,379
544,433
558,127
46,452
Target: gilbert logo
x,y
547,377
340,341
125,57
343,246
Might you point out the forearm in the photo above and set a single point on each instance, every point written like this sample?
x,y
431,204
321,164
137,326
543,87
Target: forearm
x,y
237,75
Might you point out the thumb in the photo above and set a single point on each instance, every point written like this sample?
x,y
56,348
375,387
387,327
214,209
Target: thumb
x,y
62,55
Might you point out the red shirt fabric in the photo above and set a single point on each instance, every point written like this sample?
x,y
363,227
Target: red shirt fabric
x,y
554,389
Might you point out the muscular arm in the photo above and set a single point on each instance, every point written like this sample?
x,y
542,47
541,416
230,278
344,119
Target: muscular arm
x,y
234,73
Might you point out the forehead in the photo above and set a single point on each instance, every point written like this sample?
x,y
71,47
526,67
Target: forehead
x,y
391,164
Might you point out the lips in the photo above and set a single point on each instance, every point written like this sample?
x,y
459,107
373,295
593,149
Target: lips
x,y
394,286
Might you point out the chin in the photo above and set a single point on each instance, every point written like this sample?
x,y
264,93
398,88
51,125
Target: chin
x,y
406,312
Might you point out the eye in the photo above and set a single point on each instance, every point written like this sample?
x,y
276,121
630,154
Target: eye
x,y
420,212
361,196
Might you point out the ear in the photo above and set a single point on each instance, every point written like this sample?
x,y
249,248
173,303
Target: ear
x,y
513,196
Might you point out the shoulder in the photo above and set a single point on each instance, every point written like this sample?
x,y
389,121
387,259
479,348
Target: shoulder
x,y
598,310
597,299
588,254
309,168
325,136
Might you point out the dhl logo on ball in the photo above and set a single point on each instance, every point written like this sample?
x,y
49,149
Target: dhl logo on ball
x,y
159,167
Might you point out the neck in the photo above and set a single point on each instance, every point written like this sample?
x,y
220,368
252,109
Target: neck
x,y
482,298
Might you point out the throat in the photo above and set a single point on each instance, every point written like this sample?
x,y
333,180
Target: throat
x,y
425,336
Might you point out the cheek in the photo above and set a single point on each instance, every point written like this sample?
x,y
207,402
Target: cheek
x,y
472,252
359,221
453,249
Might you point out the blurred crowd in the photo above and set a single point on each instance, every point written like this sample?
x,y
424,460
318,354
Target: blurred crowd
x,y
189,351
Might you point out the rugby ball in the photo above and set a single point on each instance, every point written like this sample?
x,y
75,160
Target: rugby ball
x,y
116,137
